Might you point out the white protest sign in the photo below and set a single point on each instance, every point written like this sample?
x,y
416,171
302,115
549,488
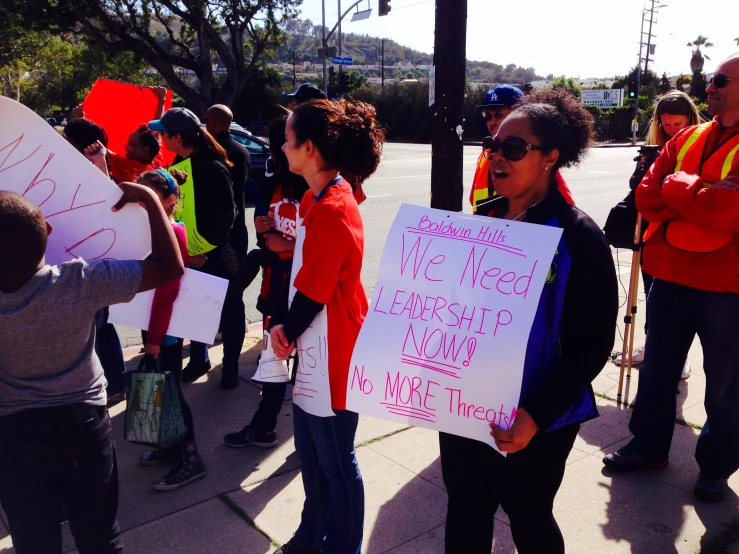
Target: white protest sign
x,y
76,198
271,369
312,389
444,342
196,313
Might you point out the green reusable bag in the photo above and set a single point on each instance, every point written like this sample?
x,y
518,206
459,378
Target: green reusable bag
x,y
153,411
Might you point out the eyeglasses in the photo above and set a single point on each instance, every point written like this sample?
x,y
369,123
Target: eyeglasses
x,y
513,148
719,81
498,116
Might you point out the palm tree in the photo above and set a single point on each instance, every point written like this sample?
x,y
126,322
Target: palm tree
x,y
697,61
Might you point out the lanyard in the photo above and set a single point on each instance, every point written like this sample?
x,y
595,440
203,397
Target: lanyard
x,y
330,184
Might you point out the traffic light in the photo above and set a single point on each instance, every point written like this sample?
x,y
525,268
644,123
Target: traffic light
x,y
385,7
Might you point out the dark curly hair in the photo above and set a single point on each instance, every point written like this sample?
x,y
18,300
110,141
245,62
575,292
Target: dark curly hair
x,y
347,135
83,132
150,139
560,122
158,181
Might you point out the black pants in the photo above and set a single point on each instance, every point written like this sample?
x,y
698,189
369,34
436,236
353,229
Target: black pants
x,y
479,479
170,359
51,456
234,331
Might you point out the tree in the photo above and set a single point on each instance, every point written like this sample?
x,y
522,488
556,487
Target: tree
x,y
683,80
567,83
172,35
697,61
664,84
698,86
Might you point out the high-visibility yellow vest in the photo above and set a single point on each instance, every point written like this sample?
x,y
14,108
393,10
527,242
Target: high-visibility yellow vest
x,y
684,234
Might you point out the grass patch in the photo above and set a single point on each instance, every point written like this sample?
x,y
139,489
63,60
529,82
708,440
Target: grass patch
x,y
678,420
239,511
720,543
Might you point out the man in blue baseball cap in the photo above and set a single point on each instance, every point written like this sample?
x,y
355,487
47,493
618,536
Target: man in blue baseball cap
x,y
498,104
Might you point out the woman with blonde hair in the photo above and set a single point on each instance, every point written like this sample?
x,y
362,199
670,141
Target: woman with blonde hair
x,y
674,112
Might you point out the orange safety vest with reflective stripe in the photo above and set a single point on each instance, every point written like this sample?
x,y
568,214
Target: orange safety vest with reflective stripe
x,y
684,234
480,190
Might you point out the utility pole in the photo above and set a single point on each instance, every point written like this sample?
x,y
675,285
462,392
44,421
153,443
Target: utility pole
x,y
635,121
341,67
323,42
649,37
382,67
294,79
450,59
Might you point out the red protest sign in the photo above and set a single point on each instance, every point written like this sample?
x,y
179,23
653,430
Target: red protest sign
x,y
120,108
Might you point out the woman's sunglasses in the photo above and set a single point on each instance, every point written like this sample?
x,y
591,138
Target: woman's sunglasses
x,y
513,148
719,81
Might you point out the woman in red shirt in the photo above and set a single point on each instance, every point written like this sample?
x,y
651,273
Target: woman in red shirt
x,y
322,320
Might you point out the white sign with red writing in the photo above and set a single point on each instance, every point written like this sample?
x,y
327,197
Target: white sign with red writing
x,y
76,198
444,342
196,313
312,388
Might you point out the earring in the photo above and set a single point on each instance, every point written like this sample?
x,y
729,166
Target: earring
x,y
546,168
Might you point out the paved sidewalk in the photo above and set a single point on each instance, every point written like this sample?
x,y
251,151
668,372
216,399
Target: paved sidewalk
x,y
251,500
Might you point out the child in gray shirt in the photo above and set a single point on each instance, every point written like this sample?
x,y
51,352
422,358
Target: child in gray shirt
x,y
57,444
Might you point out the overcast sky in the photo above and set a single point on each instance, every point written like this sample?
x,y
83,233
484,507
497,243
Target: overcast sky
x,y
559,37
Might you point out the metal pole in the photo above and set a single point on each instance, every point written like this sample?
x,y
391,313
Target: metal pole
x,y
323,30
638,84
382,70
631,308
341,67
294,79
649,37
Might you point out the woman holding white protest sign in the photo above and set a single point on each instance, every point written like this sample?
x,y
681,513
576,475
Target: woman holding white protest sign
x,y
328,306
569,343
209,209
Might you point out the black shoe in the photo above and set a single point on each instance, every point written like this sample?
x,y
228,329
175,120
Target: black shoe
x,y
195,371
710,490
245,437
229,379
626,459
291,548
188,469
157,457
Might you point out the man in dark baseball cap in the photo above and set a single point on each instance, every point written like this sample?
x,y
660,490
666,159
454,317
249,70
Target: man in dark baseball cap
x,y
498,104
304,93
177,121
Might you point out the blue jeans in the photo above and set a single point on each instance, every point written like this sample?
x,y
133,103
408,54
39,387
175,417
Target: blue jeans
x,y
676,314
109,352
333,514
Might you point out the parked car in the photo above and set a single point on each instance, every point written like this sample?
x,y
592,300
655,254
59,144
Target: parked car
x,y
258,152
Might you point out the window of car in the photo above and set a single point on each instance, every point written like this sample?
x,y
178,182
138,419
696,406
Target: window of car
x,y
254,147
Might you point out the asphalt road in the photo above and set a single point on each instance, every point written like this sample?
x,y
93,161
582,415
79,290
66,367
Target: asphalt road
x,y
404,175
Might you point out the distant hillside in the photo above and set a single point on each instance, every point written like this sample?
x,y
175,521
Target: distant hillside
x,y
305,39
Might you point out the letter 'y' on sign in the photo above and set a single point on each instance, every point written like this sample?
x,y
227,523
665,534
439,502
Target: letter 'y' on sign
x,y
76,198
444,342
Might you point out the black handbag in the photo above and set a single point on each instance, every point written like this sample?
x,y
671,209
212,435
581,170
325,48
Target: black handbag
x,y
621,223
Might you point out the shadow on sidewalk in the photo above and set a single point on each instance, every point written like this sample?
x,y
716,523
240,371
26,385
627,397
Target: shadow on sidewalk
x,y
655,510
215,413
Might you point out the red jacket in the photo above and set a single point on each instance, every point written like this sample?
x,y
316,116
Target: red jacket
x,y
688,215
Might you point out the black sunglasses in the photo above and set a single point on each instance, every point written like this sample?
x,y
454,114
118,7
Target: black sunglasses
x,y
513,148
499,116
719,81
